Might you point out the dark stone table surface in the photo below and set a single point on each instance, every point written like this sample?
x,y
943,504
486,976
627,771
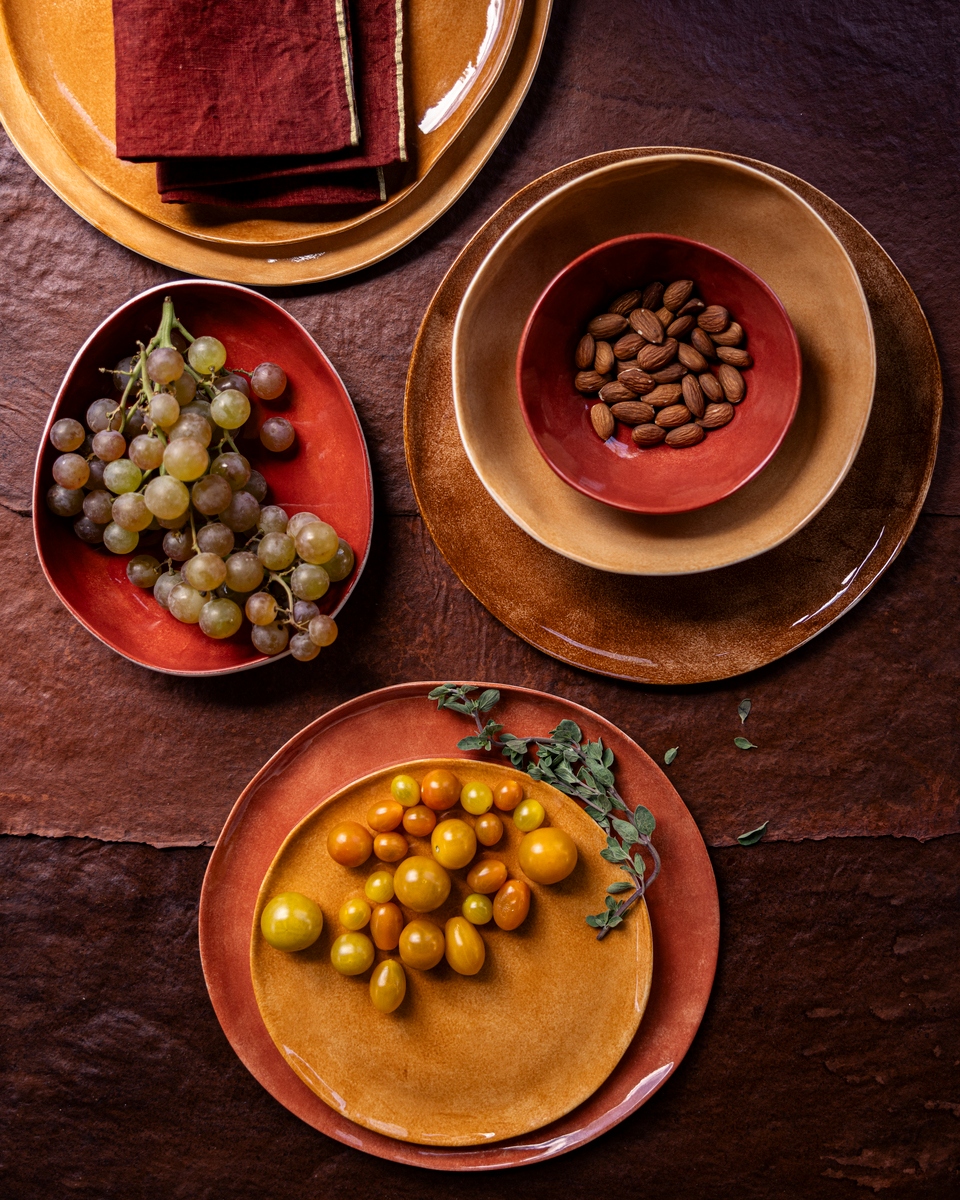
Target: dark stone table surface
x,y
829,1058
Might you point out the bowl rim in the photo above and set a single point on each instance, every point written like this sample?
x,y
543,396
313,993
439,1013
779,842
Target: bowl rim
x,y
730,262
38,487
551,197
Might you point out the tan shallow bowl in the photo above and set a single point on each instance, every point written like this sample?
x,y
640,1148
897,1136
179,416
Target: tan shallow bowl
x,y
747,215
464,1060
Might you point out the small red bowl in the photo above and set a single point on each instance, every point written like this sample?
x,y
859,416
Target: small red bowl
x,y
658,479
327,471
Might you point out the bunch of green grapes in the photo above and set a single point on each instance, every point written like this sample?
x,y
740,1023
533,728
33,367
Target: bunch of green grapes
x,y
163,458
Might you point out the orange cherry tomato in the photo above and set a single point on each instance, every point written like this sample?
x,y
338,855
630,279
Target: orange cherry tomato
x,y
421,883
489,829
488,875
453,843
440,790
465,950
385,816
548,855
511,904
349,844
419,821
390,847
386,925
507,795
421,945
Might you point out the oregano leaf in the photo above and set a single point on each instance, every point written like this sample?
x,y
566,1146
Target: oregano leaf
x,y
627,831
670,755
754,836
616,888
743,709
644,820
743,743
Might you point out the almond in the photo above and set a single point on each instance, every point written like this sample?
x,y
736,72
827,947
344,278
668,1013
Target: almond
x,y
710,387
735,357
626,364
604,359
628,345
693,395
680,326
643,321
648,435
713,319
731,336
672,374
638,380
652,296
586,349
692,306
602,421
612,393
676,414
623,304
589,381
684,435
664,394
664,316
715,415
633,412
700,342
732,383
655,358
607,325
677,294
692,359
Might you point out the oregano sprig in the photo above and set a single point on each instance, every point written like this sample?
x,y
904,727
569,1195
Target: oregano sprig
x,y
581,769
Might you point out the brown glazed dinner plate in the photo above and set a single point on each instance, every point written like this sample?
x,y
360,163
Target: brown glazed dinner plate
x,y
684,629
432,1072
377,732
754,219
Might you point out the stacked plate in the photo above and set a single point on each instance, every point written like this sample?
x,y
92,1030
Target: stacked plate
x,y
710,593
468,70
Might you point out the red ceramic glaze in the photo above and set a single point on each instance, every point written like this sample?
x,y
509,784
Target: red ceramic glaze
x,y
327,471
396,725
658,479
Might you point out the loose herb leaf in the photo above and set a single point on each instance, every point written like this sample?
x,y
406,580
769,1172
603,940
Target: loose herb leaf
x,y
743,708
743,743
616,888
670,755
754,836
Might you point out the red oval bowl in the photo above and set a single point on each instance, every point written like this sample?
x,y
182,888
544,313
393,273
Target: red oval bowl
x,y
327,472
658,479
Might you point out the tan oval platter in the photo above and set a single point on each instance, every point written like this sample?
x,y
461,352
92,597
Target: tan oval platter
x,y
463,1060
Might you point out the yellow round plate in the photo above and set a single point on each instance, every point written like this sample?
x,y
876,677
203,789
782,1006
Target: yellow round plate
x,y
464,1060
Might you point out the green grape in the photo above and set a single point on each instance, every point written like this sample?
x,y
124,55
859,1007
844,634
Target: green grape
x,y
146,452
201,408
185,459
304,611
103,414
309,582
277,434
98,506
88,531
185,389
302,648
164,365
220,618
215,539
268,381
211,495
192,425
95,478
231,409
261,608
143,571
269,639
207,355
65,502
185,603
277,551
244,572
131,513
164,410
71,471
340,566
178,544
166,497
204,571
108,445
298,520
119,540
256,485
272,519
317,542
67,434
165,585
323,630
122,476
242,514
233,467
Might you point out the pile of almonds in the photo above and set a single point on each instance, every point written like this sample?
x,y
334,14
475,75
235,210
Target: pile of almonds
x,y
650,358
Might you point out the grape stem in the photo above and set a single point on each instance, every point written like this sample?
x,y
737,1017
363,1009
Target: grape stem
x,y
275,578
162,337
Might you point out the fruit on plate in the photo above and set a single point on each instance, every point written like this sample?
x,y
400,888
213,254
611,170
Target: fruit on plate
x,y
349,844
453,843
439,790
465,951
421,945
512,904
548,855
291,921
352,953
421,883
388,986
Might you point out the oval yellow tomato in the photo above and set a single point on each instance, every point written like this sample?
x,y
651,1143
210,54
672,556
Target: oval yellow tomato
x,y
405,790
351,953
386,923
464,949
354,913
388,986
477,909
548,855
488,875
421,945
453,844
379,887
439,790
291,921
476,799
511,904
421,884
489,829
349,844
529,815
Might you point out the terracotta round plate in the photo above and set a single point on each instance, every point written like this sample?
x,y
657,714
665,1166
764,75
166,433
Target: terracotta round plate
x,y
327,472
433,1072
324,255
763,225
654,479
399,724
701,627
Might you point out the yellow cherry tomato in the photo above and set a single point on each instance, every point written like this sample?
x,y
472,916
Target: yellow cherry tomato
x,y
439,790
476,798
529,815
548,855
419,821
465,950
379,887
291,921
477,909
489,829
354,913
507,795
405,790
511,904
349,844
453,844
421,945
386,923
488,875
421,883
352,953
388,986
385,816
390,847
